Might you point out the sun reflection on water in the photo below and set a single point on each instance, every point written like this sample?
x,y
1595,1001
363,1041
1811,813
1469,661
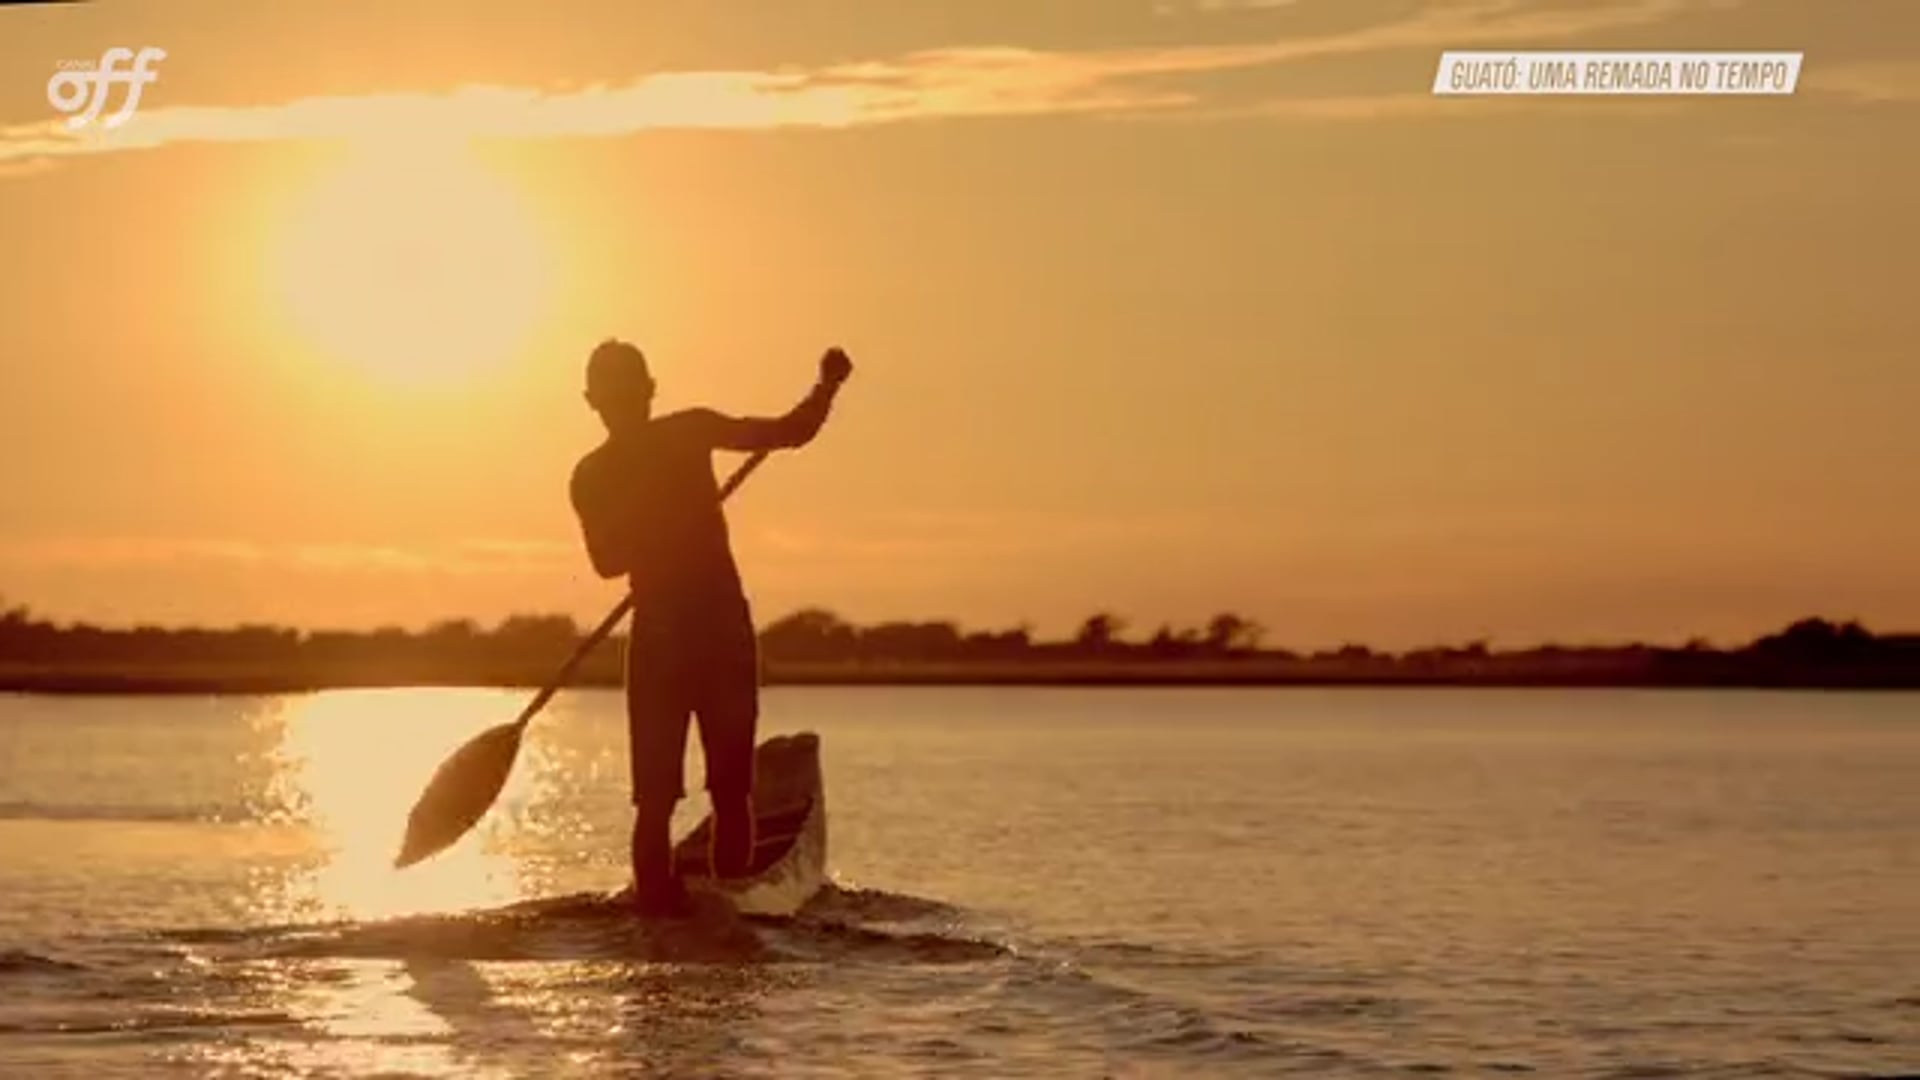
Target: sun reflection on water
x,y
349,766
345,768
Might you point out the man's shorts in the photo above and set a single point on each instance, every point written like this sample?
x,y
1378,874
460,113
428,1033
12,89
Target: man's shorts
x,y
707,669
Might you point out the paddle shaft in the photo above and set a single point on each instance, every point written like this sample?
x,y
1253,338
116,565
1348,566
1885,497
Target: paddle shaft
x,y
619,612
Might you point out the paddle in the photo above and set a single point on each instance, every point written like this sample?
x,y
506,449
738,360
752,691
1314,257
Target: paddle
x,y
467,783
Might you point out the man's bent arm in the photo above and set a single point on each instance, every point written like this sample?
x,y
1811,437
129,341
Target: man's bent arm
x,y
796,428
604,549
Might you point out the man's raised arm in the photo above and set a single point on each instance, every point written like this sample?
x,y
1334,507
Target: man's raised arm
x,y
796,428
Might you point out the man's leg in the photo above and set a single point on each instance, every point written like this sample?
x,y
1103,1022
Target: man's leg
x,y
729,709
733,833
654,886
657,716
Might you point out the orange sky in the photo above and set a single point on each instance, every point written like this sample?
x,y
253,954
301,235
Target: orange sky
x,y
1162,308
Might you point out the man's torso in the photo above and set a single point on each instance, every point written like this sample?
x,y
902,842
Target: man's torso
x,y
651,496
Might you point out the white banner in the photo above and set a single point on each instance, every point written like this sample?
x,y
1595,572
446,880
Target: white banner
x,y
1633,73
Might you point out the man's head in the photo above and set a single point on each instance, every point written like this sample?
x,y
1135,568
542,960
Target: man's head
x,y
619,386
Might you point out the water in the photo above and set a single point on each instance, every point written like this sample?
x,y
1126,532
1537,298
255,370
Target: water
x,y
1047,882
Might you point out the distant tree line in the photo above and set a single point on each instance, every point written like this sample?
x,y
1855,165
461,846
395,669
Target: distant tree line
x,y
815,644
1227,648
818,635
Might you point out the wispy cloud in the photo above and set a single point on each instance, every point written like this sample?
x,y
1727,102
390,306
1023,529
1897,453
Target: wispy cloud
x,y
933,84
972,82
1423,105
946,538
126,551
467,557
1207,7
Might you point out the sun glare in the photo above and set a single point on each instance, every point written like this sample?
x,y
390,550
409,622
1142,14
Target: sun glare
x,y
413,264
352,764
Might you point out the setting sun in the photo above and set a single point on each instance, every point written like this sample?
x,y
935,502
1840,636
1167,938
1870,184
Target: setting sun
x,y
415,265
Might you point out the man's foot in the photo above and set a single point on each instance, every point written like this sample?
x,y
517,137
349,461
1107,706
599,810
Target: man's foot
x,y
663,900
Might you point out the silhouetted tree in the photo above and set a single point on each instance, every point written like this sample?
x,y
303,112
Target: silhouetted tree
x,y
453,630
910,641
536,627
454,640
528,638
1163,644
1816,641
1227,632
809,634
1100,632
1000,645
24,638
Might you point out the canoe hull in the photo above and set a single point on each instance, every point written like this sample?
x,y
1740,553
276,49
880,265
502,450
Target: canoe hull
x,y
790,818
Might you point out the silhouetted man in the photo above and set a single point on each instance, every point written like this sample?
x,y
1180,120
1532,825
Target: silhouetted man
x,y
650,510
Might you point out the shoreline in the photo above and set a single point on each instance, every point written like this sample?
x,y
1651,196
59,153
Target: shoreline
x,y
193,680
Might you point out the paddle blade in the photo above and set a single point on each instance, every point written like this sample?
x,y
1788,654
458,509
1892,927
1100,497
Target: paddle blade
x,y
460,792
